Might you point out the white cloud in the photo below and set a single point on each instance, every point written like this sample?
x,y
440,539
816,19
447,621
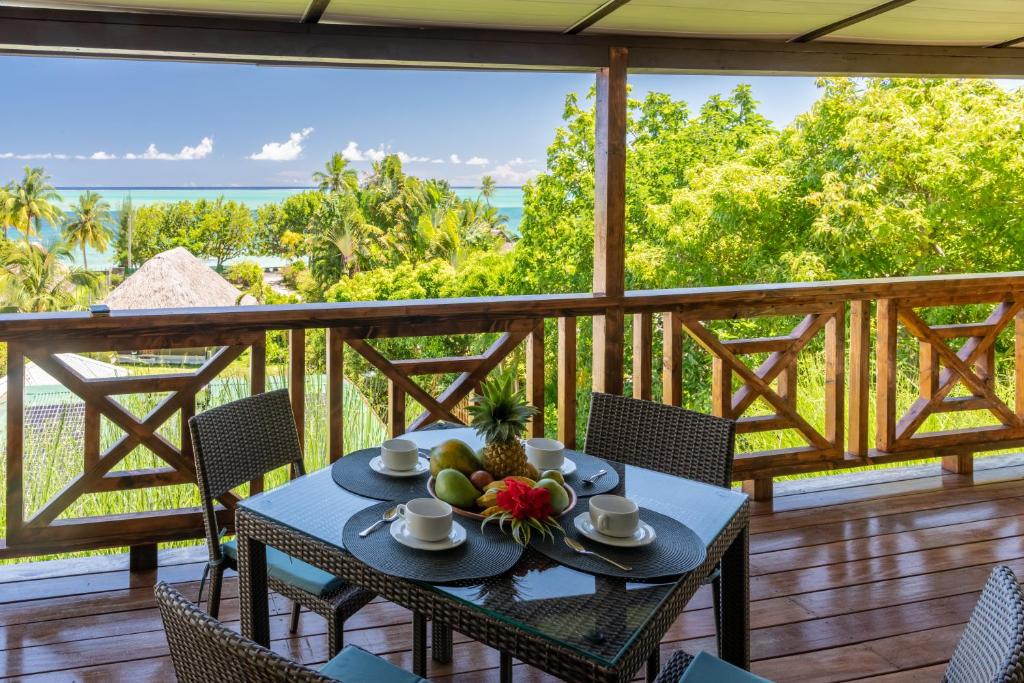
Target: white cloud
x,y
504,174
100,156
353,153
519,161
7,155
283,151
187,153
437,161
406,158
478,161
454,158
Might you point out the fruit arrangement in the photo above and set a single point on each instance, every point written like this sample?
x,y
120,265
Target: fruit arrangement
x,y
473,482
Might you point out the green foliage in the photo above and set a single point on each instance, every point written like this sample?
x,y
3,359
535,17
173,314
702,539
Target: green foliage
x,y
244,274
31,201
88,225
34,279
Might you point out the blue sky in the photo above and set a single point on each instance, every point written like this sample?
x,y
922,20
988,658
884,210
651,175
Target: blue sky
x,y
125,123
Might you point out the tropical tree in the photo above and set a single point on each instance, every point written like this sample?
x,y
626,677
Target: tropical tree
x,y
487,187
34,201
35,279
6,208
89,225
336,176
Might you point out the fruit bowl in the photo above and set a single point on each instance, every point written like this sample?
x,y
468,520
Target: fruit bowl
x,y
463,512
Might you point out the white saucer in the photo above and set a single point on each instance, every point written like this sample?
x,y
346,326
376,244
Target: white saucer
x,y
400,532
378,466
644,534
567,468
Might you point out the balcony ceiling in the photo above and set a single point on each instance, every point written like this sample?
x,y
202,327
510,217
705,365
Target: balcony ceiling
x,y
980,23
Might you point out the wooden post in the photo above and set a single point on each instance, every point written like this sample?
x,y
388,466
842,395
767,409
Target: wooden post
x,y
642,356
958,463
257,385
91,435
535,377
335,394
297,383
15,442
1018,363
835,377
759,489
567,381
672,360
860,368
610,219
721,388
396,409
929,368
885,375
142,557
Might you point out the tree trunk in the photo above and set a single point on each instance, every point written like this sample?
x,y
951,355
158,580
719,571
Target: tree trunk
x,y
85,261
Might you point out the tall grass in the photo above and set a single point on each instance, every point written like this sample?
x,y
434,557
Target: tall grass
x,y
53,452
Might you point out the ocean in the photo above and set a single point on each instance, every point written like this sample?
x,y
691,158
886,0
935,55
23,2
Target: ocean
x,y
508,200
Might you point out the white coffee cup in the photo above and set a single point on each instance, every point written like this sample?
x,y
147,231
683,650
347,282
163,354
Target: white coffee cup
x,y
399,454
545,454
427,519
614,515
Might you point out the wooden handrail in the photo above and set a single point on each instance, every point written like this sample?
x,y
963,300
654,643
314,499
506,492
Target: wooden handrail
x,y
835,322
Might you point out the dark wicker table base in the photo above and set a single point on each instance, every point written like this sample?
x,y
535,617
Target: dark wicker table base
x,y
256,531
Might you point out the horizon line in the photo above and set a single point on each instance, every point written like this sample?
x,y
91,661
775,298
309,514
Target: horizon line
x,y
227,187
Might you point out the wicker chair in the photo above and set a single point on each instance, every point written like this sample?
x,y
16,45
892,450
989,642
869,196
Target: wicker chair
x,y
991,649
203,650
239,442
667,439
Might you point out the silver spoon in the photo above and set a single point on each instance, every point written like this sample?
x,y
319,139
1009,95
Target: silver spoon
x,y
575,545
388,516
594,477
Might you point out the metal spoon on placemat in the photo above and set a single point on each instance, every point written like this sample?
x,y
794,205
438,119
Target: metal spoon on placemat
x,y
390,515
589,481
576,546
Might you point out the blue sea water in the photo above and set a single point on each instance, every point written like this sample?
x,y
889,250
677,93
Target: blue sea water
x,y
508,200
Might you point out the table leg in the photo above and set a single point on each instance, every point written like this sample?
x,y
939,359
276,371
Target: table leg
x,y
252,590
440,642
734,635
419,644
505,668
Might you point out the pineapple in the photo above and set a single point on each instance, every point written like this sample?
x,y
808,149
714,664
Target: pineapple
x,y
499,416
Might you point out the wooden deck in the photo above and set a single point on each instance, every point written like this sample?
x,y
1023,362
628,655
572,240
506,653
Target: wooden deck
x,y
864,580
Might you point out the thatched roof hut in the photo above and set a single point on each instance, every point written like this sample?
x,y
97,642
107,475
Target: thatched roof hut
x,y
175,279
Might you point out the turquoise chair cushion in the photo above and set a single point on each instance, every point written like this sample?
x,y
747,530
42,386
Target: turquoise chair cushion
x,y
355,664
294,572
707,668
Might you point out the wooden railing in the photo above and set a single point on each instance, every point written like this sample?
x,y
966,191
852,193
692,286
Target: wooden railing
x,y
823,312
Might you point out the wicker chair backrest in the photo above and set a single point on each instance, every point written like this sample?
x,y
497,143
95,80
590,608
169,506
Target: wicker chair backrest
x,y
991,648
242,440
203,650
661,437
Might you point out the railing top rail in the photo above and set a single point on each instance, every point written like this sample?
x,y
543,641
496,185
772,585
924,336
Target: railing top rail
x,y
934,289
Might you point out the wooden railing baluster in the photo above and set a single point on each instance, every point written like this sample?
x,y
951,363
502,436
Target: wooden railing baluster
x,y
672,362
642,350
860,377
297,383
835,379
15,441
396,409
258,385
535,377
1018,357
885,374
90,436
567,381
335,394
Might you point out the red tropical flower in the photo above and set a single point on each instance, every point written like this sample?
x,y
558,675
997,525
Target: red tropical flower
x,y
524,502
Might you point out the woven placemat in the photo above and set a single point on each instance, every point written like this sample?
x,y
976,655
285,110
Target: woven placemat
x,y
484,553
586,465
353,473
676,550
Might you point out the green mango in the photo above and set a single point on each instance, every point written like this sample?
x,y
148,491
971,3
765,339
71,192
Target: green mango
x,y
559,496
455,488
453,454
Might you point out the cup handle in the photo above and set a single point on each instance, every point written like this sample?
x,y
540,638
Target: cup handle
x,y
602,525
401,510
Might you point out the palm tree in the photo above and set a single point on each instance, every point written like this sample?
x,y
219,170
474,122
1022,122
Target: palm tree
x,y
34,279
89,224
34,201
487,187
336,176
6,208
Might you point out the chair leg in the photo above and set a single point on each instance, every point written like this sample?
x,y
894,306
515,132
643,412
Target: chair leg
x,y
419,644
294,626
653,666
716,605
505,670
216,579
441,642
335,633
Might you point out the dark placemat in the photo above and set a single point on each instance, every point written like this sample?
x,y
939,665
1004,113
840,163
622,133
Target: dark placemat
x,y
484,553
676,550
353,473
587,465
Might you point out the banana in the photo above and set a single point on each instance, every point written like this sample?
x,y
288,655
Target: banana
x,y
496,486
493,510
487,500
522,480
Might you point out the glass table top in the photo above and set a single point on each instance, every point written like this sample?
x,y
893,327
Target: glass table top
x,y
597,616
